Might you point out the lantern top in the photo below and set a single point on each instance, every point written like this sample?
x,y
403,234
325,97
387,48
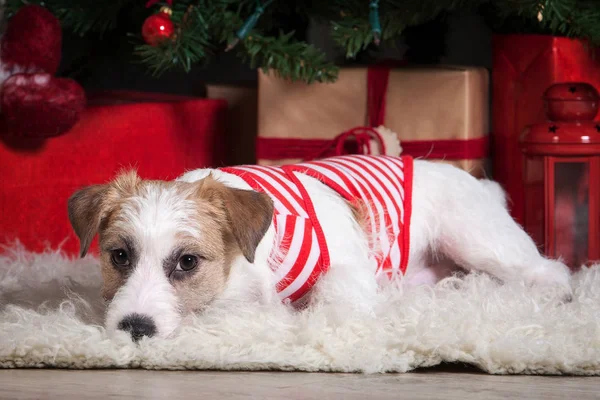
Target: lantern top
x,y
560,132
571,101
570,129
571,91
562,139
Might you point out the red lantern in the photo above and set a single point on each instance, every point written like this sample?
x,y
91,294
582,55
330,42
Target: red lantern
x,y
562,175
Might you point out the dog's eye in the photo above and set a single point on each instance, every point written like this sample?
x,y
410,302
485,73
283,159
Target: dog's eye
x,y
187,262
120,258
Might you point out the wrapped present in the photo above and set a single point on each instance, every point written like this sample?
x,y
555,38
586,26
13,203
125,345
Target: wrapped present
x,y
524,67
439,113
161,136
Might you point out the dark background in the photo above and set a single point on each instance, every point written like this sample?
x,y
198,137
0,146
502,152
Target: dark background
x,y
459,39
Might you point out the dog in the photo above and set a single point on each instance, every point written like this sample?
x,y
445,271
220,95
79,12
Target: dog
x,y
332,230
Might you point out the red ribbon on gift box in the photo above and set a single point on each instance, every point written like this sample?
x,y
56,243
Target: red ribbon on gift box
x,y
377,83
290,148
354,141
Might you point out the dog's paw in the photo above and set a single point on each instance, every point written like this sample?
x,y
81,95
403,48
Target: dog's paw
x,y
551,274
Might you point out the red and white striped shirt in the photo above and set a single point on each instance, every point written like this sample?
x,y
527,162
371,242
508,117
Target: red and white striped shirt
x,y
381,185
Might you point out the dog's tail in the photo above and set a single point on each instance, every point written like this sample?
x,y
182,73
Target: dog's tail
x,y
495,190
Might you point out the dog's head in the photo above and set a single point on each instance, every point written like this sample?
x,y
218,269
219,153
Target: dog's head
x,y
166,248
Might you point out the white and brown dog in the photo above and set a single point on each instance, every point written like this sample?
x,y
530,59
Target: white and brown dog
x,y
334,229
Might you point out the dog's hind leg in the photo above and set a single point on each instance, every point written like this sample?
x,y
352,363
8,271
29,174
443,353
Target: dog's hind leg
x,y
472,227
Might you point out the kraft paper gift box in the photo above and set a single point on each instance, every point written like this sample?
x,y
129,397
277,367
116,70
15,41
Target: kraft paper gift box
x,y
439,113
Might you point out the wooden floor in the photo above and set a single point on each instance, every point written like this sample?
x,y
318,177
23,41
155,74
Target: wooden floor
x,y
432,384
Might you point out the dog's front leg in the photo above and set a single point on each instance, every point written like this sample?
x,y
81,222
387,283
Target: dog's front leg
x,y
351,286
350,279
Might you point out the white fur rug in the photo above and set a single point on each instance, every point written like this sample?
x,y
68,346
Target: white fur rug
x,y
51,314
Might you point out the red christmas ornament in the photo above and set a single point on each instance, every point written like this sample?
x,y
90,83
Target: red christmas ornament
x,y
35,104
32,40
41,105
158,27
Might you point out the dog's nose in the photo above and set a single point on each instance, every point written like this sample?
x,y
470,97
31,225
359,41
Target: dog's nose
x,y
138,326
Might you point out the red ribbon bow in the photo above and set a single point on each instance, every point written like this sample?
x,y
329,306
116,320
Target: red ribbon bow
x,y
361,137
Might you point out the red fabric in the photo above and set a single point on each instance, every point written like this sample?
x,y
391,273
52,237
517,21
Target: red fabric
x,y
524,66
322,267
380,184
408,186
161,140
291,148
361,178
296,225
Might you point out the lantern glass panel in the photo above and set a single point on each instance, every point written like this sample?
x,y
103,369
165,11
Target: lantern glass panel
x,y
571,211
534,198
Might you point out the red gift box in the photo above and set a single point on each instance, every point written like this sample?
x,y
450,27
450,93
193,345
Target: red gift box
x,y
524,66
161,136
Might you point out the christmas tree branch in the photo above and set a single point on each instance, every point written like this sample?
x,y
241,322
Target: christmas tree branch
x,y
353,31
206,27
290,59
203,33
573,18
81,16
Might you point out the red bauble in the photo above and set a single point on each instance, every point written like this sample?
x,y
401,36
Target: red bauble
x,y
158,27
32,40
40,105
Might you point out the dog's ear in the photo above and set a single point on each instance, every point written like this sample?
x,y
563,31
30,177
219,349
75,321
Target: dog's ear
x,y
249,213
85,207
89,205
